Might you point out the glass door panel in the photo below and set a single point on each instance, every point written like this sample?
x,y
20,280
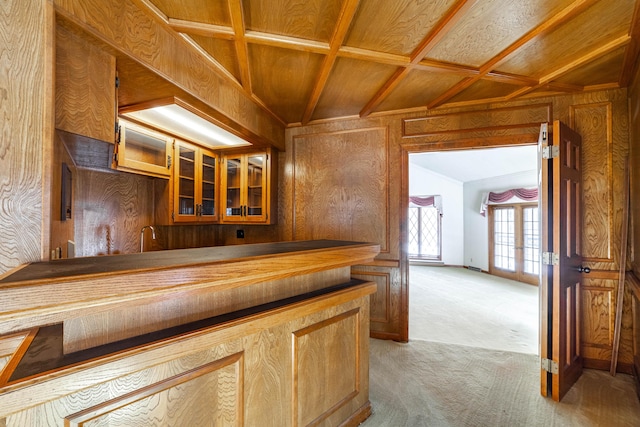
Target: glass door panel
x,y
504,256
255,184
233,175
531,243
208,192
187,181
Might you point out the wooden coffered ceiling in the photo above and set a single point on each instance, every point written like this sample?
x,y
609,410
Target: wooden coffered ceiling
x,y
310,60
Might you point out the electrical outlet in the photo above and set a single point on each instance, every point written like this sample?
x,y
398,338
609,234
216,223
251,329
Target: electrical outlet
x,y
240,234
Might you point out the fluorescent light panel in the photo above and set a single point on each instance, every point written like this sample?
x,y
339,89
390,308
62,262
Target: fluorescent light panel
x,y
181,122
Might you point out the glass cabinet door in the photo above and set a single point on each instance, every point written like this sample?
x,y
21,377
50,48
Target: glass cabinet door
x,y
142,150
185,183
208,189
233,206
255,185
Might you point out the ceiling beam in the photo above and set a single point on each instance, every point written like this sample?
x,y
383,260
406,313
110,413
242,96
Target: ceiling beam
x,y
242,52
560,18
347,12
630,63
440,30
202,29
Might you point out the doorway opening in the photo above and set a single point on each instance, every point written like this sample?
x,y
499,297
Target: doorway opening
x,y
452,296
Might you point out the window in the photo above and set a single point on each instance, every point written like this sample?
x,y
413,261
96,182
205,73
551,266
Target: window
x,y
514,242
425,233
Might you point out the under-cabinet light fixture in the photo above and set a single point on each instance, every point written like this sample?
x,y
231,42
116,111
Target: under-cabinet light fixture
x,y
172,117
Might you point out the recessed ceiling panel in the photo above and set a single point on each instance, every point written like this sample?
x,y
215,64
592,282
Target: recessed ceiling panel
x,y
484,89
223,51
206,11
396,26
283,79
307,19
601,71
491,26
595,27
351,85
418,89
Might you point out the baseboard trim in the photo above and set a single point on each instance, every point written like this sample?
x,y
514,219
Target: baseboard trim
x,y
359,416
385,336
605,365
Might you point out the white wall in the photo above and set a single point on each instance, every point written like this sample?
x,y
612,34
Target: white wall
x,y
476,227
423,182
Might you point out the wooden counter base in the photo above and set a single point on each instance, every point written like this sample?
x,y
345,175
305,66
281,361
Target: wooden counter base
x,y
299,364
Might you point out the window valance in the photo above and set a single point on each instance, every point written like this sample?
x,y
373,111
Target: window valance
x,y
496,198
425,201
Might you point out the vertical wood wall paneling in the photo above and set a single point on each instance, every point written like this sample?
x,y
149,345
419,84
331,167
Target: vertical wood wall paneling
x,y
26,28
341,184
111,209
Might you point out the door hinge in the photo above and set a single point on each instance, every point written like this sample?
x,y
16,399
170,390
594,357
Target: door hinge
x,y
549,366
550,258
173,216
117,82
550,152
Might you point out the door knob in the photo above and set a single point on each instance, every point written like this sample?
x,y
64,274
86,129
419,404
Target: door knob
x,y
585,270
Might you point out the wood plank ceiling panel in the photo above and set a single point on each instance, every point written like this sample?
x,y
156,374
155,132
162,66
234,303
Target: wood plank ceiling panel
x,y
223,51
284,79
214,12
484,90
417,90
573,40
348,73
601,71
395,27
490,27
306,19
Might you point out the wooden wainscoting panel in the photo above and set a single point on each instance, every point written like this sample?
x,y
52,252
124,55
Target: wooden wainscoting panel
x,y
211,394
341,186
326,367
594,123
381,300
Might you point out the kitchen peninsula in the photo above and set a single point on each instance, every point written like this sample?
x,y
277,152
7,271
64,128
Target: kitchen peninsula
x,y
261,334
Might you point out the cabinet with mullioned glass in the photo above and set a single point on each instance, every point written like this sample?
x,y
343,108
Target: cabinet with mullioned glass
x,y
246,188
195,186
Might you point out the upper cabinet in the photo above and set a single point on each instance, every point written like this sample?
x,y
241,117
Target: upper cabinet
x,y
142,150
247,191
195,184
85,93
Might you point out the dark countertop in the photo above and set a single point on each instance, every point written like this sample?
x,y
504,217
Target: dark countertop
x,y
113,264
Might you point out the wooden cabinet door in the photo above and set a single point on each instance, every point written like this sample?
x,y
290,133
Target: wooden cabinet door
x,y
561,278
245,188
144,151
195,184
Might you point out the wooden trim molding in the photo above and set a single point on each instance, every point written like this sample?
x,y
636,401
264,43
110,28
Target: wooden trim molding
x,y
82,418
383,293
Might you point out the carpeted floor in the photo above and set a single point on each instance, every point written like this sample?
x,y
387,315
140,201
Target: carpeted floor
x,y
460,306
434,384
472,361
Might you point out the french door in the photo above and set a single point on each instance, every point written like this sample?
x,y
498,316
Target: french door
x,y
514,242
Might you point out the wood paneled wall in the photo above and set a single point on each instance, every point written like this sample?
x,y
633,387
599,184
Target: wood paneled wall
x,y
26,87
331,163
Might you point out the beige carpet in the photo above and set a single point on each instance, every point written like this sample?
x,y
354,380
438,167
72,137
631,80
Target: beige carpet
x,y
471,361
434,384
460,306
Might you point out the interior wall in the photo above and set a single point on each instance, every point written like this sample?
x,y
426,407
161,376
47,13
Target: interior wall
x,y
476,227
423,182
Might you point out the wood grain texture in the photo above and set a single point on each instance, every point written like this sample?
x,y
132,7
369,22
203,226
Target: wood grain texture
x,y
111,209
205,11
85,87
27,35
248,359
134,33
332,194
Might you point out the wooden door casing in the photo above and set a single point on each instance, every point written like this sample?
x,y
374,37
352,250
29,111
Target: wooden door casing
x,y
561,281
